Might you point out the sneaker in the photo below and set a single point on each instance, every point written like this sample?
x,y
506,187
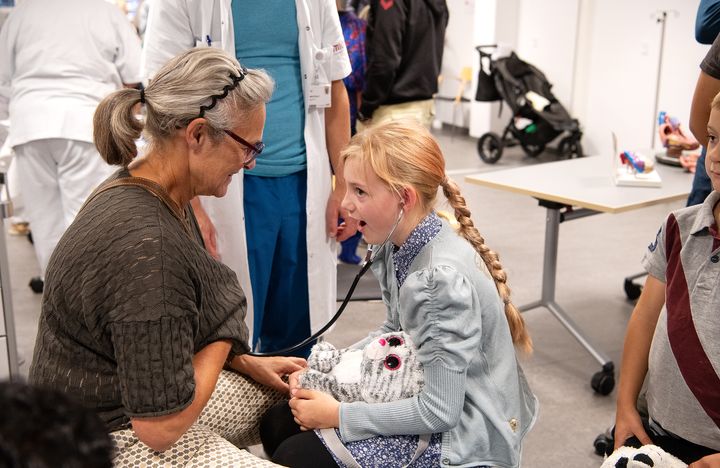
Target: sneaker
x,y
350,258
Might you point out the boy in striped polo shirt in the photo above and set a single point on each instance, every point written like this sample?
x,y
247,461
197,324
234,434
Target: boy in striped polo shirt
x,y
677,347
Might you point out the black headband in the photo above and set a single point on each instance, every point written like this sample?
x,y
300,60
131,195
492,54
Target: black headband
x,y
226,90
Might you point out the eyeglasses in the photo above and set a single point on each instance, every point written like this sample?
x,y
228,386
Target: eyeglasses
x,y
251,151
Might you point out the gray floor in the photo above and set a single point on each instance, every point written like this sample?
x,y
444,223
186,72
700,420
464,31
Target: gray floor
x,y
595,254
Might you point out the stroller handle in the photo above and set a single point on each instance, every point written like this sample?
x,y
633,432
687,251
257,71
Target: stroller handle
x,y
483,53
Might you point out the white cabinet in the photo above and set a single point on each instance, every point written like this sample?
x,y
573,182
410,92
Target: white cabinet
x,y
2,315
4,360
8,349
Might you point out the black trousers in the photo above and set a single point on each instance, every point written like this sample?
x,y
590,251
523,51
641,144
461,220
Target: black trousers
x,y
287,445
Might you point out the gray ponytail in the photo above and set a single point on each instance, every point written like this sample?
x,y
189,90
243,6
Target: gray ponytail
x,y
174,98
115,127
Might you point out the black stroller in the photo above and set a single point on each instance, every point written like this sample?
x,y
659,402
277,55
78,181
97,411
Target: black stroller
x,y
526,90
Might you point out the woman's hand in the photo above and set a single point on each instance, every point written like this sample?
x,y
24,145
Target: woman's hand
x,y
314,409
711,461
268,370
628,424
207,228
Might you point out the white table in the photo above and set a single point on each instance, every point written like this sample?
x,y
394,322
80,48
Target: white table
x,y
573,189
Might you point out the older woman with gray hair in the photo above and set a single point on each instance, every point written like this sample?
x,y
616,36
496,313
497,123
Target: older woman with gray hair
x,y
138,320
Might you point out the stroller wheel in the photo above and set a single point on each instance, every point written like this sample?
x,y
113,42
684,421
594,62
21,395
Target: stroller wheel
x,y
490,148
603,444
570,147
603,382
632,290
532,150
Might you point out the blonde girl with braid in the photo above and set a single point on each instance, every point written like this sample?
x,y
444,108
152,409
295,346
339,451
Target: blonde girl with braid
x,y
446,289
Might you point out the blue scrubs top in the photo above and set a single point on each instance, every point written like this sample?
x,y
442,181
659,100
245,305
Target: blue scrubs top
x,y
266,36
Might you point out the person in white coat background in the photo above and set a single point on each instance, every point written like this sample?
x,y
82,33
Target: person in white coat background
x,y
289,212
60,59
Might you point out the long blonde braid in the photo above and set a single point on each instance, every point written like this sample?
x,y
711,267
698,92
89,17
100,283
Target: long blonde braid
x,y
467,229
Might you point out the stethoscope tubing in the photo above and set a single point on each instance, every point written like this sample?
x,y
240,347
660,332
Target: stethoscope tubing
x,y
317,334
372,253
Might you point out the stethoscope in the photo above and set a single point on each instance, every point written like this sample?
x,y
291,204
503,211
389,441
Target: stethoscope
x,y
372,252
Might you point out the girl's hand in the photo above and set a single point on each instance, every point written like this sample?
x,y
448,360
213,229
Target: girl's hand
x,y
293,379
628,424
313,409
268,370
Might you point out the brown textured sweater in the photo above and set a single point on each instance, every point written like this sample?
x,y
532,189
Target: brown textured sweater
x,y
130,296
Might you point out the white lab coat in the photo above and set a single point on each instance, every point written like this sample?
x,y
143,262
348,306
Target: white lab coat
x,y
175,26
58,60
59,64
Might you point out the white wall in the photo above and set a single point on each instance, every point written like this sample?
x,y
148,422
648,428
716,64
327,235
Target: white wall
x,y
618,91
601,56
546,38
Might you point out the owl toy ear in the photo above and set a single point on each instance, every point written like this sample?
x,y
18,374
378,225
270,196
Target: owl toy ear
x,y
323,357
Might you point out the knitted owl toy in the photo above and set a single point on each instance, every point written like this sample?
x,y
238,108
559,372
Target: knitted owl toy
x,y
387,369
643,457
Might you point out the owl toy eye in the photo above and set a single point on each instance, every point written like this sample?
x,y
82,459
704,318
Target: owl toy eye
x,y
392,362
395,341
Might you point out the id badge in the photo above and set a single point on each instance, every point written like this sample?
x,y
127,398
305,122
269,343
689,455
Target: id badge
x,y
319,95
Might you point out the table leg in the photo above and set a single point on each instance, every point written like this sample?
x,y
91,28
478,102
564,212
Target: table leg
x,y
547,299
